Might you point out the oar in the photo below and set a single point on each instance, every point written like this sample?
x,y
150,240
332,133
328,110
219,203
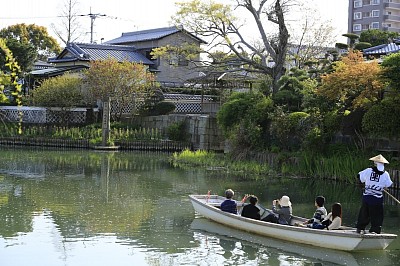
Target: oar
x,y
393,197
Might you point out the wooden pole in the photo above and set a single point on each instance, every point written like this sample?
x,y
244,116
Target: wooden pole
x,y
393,197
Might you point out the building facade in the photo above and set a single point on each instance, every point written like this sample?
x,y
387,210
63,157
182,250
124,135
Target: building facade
x,y
374,14
170,72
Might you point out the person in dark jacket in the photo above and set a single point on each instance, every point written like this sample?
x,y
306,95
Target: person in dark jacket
x,y
251,210
229,205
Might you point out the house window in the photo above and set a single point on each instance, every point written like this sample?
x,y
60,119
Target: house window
x,y
182,61
178,60
366,2
357,27
375,13
357,4
375,2
366,14
375,25
365,27
357,15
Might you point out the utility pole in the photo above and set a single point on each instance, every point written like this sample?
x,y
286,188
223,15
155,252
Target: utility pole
x,y
92,19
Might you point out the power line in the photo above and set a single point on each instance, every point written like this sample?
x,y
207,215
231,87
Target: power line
x,y
92,19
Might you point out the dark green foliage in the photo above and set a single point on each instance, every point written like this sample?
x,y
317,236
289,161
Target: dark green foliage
x,y
383,119
377,37
160,108
341,45
245,119
353,37
362,45
155,105
289,130
177,131
24,53
351,122
391,70
289,95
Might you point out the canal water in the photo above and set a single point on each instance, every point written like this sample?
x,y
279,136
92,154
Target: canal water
x,y
75,208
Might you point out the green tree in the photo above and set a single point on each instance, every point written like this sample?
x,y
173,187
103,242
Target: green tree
x,y
245,120
44,44
24,53
118,80
391,70
9,79
377,37
382,119
219,22
290,129
290,94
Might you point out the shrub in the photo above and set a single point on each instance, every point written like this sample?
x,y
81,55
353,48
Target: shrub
x,y
177,131
245,119
383,120
62,91
289,130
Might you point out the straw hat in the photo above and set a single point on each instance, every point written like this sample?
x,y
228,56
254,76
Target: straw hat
x,y
379,159
285,201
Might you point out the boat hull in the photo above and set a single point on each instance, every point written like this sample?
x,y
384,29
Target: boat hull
x,y
347,240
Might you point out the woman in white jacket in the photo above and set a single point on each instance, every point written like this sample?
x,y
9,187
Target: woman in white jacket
x,y
334,219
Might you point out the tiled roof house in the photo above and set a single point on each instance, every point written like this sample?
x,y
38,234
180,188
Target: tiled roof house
x,y
77,56
383,49
169,72
83,53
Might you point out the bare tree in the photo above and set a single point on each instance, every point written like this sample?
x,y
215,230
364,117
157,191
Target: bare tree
x,y
314,38
219,22
69,29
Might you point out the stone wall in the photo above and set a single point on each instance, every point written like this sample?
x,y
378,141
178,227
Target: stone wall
x,y
202,129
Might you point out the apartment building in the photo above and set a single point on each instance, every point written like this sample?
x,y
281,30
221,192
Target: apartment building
x,y
374,14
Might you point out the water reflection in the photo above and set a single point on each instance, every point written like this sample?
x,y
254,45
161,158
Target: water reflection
x,y
96,208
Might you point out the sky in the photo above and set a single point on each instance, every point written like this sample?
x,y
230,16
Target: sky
x,y
118,16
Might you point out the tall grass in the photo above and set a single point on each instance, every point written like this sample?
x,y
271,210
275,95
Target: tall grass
x,y
76,133
341,167
213,161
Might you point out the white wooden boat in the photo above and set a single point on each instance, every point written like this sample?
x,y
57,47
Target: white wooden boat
x,y
343,239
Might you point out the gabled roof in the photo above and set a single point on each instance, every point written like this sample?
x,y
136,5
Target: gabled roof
x,y
93,52
51,72
149,35
382,49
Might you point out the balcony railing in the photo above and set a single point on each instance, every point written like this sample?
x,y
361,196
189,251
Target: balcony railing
x,y
391,18
392,29
392,5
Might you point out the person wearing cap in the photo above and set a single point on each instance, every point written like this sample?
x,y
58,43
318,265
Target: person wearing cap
x,y
376,179
229,205
281,211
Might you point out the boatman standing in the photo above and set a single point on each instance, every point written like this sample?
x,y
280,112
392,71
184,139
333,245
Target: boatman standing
x,y
376,179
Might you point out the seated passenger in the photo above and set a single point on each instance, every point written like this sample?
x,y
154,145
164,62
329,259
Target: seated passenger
x,y
229,205
334,219
281,211
251,210
319,215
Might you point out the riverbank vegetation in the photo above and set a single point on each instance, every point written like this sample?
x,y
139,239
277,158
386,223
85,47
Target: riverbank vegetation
x,y
342,166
